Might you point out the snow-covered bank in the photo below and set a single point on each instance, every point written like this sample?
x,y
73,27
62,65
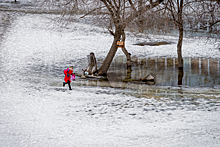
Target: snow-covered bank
x,y
34,112
49,118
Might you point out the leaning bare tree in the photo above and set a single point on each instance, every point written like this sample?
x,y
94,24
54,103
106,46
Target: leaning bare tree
x,y
121,13
118,13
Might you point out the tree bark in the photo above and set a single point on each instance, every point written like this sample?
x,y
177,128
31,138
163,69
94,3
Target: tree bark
x,y
180,41
105,65
127,54
140,17
92,64
179,48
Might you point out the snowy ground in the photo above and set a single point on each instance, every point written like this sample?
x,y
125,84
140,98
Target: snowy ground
x,y
36,111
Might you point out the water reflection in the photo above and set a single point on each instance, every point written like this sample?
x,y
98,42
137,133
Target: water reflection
x,y
180,76
196,71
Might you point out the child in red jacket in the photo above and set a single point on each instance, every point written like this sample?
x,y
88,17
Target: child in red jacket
x,y
67,79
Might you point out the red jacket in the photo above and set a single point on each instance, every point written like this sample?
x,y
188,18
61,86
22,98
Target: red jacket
x,y
67,72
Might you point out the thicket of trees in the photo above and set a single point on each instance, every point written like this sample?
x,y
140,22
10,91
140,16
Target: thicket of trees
x,y
141,15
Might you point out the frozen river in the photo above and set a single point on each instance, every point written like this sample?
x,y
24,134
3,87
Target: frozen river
x,y
35,111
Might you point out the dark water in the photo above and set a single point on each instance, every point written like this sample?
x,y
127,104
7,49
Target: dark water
x,y
197,72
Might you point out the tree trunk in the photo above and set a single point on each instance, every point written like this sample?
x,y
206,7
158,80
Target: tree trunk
x,y
180,41
105,65
92,64
140,16
127,54
179,48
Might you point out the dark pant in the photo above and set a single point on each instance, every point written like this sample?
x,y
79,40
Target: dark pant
x,y
68,82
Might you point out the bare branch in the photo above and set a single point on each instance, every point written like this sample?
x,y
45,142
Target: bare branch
x,y
92,11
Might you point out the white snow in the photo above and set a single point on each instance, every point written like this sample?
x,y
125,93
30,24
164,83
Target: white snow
x,y
33,113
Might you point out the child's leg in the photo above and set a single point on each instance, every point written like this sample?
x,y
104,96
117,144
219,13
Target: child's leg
x,y
69,85
64,83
